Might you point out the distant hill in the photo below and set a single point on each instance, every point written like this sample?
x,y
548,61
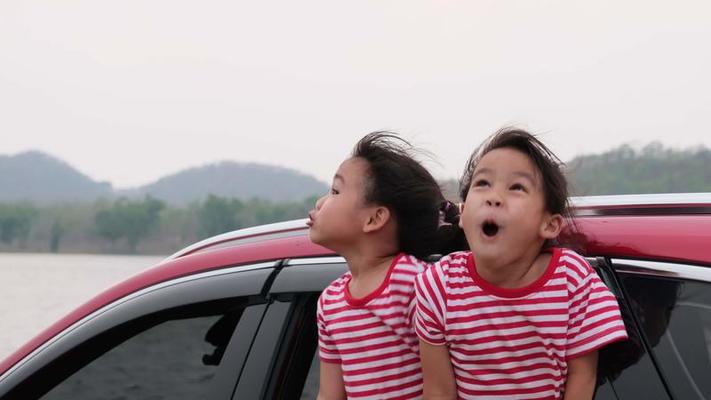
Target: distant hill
x,y
651,169
43,179
232,179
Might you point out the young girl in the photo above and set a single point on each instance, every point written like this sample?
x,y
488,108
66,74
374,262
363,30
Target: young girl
x,y
381,214
515,317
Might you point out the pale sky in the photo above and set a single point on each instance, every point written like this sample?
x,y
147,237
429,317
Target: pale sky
x,y
129,91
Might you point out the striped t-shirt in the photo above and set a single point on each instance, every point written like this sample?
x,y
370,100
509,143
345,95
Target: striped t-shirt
x,y
372,337
515,343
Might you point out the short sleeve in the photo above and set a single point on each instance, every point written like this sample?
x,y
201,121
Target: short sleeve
x,y
594,318
327,350
430,298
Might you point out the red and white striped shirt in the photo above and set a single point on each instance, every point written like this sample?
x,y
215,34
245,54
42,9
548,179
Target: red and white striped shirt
x,y
373,337
515,343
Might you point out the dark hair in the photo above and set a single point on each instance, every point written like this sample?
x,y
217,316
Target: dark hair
x,y
555,187
396,180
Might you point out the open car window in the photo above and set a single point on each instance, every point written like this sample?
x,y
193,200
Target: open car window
x,y
186,337
174,355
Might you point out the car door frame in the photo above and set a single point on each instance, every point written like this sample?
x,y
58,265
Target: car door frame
x,y
296,286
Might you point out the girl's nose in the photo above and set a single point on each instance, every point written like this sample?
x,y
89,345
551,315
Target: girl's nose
x,y
493,200
320,201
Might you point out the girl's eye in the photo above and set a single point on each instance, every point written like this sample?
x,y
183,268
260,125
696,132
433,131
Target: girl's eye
x,y
518,186
334,191
481,183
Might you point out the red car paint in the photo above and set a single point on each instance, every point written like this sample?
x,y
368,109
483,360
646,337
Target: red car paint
x,y
682,238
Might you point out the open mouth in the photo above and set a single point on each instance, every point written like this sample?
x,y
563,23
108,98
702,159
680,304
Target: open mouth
x,y
490,228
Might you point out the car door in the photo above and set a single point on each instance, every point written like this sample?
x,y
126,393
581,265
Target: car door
x,y
184,338
626,369
671,304
283,362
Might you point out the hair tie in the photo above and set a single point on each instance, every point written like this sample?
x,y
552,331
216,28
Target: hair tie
x,y
448,213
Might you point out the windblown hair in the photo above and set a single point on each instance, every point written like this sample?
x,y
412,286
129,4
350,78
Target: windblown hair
x,y
396,180
555,186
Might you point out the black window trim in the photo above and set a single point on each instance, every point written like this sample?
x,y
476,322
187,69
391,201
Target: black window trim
x,y
286,375
308,275
259,363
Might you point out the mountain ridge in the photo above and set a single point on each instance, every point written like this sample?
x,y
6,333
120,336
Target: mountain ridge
x,y
41,178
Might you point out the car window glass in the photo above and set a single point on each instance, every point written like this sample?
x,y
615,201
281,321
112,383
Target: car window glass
x,y
310,391
175,358
676,318
296,372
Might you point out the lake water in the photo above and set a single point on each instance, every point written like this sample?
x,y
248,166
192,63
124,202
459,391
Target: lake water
x,y
38,289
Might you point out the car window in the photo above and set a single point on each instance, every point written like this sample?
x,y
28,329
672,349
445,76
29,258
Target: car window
x,y
293,376
310,391
623,364
171,354
676,318
296,372
198,316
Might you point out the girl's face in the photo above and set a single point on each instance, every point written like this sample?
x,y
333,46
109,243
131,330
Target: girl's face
x,y
338,217
504,214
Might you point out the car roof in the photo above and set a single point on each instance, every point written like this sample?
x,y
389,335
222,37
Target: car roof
x,y
612,226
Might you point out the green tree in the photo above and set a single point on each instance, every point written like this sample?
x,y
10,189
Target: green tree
x,y
129,219
218,215
141,217
650,169
56,234
15,221
109,224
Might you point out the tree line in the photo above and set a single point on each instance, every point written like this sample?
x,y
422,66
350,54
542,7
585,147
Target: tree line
x,y
150,226
146,226
649,169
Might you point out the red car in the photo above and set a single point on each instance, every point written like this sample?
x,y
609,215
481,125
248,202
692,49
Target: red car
x,y
233,317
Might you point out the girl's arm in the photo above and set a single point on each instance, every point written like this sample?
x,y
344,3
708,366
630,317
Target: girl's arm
x,y
437,372
582,374
331,382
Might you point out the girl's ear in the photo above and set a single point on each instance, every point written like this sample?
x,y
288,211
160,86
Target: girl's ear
x,y
551,226
376,219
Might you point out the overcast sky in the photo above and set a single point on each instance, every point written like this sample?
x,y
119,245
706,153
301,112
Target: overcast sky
x,y
128,91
